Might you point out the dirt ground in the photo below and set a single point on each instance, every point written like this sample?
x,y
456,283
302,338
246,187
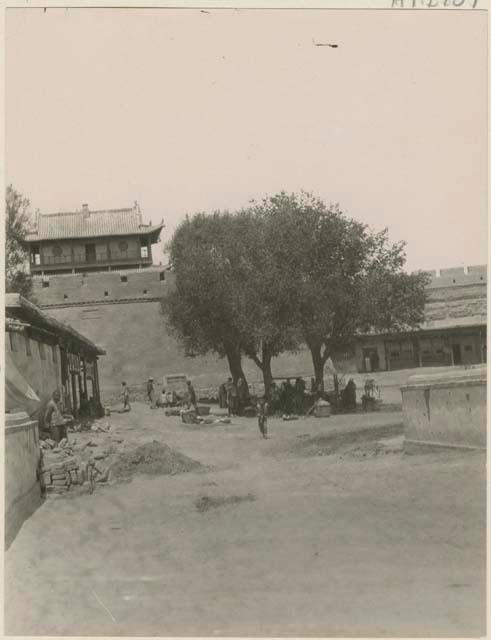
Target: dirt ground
x,y
317,531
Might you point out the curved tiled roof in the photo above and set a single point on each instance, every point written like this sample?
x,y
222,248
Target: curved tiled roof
x,y
90,224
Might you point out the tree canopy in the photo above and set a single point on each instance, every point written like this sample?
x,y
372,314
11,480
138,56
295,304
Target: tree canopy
x,y
282,272
348,279
17,277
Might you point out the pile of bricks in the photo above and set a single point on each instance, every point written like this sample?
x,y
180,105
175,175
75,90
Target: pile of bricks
x,y
61,469
57,476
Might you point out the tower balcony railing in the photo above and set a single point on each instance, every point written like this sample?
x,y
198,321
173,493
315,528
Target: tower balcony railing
x,y
78,259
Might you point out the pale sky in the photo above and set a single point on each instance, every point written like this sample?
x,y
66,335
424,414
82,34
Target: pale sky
x,y
187,111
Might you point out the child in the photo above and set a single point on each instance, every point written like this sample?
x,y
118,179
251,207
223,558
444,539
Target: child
x,y
125,394
262,417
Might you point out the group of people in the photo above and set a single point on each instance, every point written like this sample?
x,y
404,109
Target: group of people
x,y
234,397
167,398
288,398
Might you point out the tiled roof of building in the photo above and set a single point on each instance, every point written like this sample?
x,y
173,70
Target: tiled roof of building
x,y
90,224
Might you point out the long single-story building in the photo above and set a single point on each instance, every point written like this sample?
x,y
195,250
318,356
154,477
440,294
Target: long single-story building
x,y
49,355
41,354
454,331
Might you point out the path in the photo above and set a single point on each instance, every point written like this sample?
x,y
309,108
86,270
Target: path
x,y
389,545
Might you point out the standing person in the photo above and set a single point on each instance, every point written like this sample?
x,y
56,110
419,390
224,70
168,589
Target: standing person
x,y
192,396
299,395
231,397
84,411
262,417
222,395
275,398
150,390
241,394
313,386
288,395
125,395
53,418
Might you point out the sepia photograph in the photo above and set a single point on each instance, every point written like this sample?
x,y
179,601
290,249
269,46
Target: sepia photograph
x,y
245,321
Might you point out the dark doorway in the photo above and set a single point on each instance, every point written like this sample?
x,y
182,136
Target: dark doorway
x,y
457,354
90,252
370,360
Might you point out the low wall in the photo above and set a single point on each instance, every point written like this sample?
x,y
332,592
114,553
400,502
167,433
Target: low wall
x,y
22,489
446,409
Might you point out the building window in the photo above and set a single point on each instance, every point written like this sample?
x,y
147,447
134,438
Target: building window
x,y
45,284
123,245
143,248
65,296
124,278
106,293
162,276
28,345
53,352
13,341
468,347
145,291
42,351
57,250
35,255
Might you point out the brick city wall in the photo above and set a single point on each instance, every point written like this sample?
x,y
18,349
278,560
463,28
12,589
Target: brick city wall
x,y
106,286
138,346
457,276
456,294
128,324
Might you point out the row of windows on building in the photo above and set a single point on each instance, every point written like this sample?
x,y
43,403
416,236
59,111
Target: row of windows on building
x,y
90,254
106,294
428,347
15,339
124,279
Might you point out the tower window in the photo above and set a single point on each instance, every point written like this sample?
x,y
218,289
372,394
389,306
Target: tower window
x,y
162,276
143,247
124,278
145,291
65,296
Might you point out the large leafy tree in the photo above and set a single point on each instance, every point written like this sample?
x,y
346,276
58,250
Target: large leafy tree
x,y
17,277
230,295
348,280
200,310
266,302
285,271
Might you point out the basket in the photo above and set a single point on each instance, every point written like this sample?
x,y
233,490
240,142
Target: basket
x,y
322,411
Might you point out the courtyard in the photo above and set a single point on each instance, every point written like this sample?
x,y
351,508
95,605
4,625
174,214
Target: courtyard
x,y
325,529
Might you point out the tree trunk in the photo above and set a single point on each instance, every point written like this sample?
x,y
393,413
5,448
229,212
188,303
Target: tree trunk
x,y
265,366
318,361
267,376
234,359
